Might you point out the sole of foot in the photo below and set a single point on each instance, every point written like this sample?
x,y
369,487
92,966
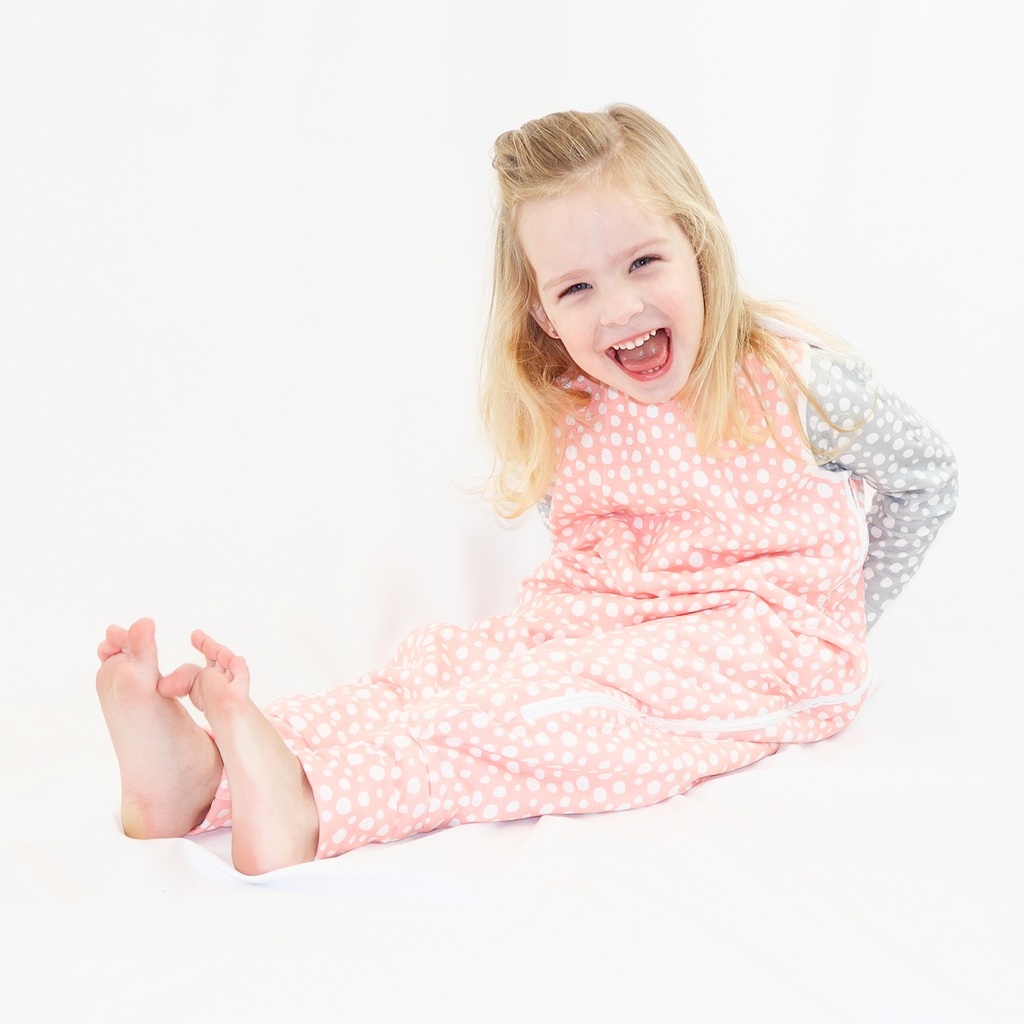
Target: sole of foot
x,y
274,821
170,768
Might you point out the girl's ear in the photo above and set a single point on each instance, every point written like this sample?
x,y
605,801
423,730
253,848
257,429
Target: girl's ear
x,y
538,314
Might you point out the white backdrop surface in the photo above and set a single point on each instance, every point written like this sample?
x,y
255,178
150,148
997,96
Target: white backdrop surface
x,y
243,277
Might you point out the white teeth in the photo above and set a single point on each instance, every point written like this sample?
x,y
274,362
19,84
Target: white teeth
x,y
636,342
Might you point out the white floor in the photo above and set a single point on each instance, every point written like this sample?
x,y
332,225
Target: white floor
x,y
875,877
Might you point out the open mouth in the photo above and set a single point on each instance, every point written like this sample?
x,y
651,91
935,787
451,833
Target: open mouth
x,y
646,357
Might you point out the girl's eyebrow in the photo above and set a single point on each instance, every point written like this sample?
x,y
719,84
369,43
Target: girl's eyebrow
x,y
555,281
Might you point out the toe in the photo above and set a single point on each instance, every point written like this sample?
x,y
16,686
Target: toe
x,y
238,668
225,658
206,645
107,649
117,636
215,653
179,682
142,642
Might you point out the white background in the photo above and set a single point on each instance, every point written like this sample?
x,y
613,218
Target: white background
x,y
244,259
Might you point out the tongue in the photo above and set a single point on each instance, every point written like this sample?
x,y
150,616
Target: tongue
x,y
648,356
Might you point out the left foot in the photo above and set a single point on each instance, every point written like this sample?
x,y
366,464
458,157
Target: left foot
x,y
274,819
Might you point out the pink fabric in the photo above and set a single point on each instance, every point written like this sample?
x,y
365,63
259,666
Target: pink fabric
x,y
695,613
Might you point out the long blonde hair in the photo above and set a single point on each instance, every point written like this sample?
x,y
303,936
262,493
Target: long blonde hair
x,y
524,399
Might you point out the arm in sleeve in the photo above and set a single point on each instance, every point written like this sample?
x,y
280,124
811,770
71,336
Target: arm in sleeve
x,y
899,454
544,509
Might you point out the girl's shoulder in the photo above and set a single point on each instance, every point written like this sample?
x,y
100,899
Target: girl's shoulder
x,y
781,329
821,364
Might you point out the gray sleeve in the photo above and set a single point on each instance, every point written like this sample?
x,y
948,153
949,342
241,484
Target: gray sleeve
x,y
898,453
544,508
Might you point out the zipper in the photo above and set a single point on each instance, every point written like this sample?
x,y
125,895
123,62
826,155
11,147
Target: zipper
x,y
577,701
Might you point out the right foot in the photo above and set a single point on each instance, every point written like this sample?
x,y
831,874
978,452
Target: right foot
x,y
170,768
274,821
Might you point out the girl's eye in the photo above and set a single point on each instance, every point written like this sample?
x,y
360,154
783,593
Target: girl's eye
x,y
642,261
573,290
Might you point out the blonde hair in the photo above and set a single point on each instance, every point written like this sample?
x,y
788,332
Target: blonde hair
x,y
525,400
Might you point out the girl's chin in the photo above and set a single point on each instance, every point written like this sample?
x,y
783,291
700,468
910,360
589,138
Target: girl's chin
x,y
650,395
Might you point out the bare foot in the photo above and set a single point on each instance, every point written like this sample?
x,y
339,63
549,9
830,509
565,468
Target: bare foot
x,y
273,815
170,768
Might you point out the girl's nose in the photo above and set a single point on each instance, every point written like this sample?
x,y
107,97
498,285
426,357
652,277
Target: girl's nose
x,y
620,307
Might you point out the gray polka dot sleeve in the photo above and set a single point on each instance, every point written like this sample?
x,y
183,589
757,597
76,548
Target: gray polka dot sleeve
x,y
898,454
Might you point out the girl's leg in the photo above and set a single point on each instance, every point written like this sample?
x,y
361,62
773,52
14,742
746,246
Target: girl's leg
x,y
495,722
170,767
419,745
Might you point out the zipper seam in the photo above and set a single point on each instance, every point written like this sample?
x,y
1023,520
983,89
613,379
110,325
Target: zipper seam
x,y
551,705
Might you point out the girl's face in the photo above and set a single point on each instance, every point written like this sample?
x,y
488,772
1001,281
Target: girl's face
x,y
619,286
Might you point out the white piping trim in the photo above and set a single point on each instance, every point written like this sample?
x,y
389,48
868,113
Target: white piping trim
x,y
577,701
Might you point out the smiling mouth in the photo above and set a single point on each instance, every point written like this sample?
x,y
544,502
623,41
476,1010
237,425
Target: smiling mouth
x,y
647,357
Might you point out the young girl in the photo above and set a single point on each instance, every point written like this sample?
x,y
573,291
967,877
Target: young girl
x,y
713,571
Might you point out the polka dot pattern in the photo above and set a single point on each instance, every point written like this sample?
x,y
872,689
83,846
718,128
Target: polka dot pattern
x,y
899,454
694,615
894,450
